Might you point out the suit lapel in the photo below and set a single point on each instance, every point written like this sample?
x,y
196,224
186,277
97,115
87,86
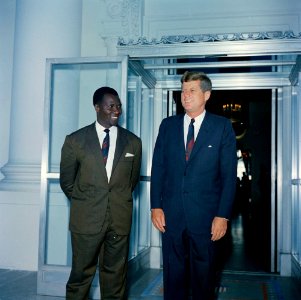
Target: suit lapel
x,y
202,137
179,138
93,142
120,145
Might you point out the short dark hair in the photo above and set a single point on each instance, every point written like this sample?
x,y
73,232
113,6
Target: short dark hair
x,y
206,84
99,94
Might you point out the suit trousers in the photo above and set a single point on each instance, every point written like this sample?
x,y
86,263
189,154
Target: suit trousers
x,y
107,248
188,270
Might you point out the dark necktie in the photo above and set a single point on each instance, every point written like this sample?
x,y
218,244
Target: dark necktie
x,y
105,146
190,139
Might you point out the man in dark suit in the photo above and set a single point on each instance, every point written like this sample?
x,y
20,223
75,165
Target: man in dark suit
x,y
192,190
98,172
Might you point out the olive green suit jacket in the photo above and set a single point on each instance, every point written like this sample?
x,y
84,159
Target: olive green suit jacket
x,y
84,181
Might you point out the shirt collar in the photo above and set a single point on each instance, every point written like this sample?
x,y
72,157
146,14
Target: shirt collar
x,y
198,120
100,128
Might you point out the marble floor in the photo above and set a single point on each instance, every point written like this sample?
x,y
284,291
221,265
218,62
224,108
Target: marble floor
x,y
21,285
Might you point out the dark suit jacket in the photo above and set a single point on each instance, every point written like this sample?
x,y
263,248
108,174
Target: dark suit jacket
x,y
84,180
192,193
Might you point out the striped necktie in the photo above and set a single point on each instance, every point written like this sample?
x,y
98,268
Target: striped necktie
x,y
105,146
190,139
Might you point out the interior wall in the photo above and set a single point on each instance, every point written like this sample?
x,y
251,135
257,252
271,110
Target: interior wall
x,y
176,17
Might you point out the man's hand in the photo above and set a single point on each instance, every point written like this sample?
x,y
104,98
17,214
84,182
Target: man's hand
x,y
158,219
218,228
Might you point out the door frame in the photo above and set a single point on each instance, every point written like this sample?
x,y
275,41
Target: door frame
x,y
170,48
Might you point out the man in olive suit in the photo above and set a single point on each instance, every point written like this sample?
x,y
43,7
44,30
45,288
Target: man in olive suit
x,y
100,167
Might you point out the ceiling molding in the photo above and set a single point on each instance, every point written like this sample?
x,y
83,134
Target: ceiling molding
x,y
197,38
236,44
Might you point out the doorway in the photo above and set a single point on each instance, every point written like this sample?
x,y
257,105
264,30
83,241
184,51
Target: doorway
x,y
249,240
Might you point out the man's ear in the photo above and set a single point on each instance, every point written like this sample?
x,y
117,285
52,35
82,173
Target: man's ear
x,y
207,95
96,107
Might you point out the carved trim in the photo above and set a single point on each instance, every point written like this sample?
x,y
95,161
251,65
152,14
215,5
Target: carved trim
x,y
294,76
114,8
197,38
125,18
130,17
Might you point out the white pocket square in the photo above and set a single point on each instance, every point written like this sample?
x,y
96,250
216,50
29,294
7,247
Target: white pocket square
x,y
210,146
129,155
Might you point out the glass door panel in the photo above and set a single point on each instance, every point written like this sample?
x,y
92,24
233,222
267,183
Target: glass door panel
x,y
70,85
139,121
296,177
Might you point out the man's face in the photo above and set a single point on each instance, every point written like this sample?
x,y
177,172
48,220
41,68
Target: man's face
x,y
193,98
108,111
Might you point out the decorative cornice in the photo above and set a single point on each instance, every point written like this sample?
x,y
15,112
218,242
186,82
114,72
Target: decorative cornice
x,y
197,38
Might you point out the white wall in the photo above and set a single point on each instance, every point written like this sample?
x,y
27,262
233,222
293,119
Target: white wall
x,y
172,17
92,28
19,230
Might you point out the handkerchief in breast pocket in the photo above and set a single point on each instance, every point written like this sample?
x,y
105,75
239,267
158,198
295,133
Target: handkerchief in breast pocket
x,y
129,154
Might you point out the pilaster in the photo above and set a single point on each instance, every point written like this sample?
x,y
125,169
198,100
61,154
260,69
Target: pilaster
x,y
42,29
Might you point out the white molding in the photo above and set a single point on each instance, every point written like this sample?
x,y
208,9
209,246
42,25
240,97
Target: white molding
x,y
233,81
294,76
229,48
124,18
21,177
114,8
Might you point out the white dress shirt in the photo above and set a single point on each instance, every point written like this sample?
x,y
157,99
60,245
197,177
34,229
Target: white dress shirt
x,y
197,125
113,137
